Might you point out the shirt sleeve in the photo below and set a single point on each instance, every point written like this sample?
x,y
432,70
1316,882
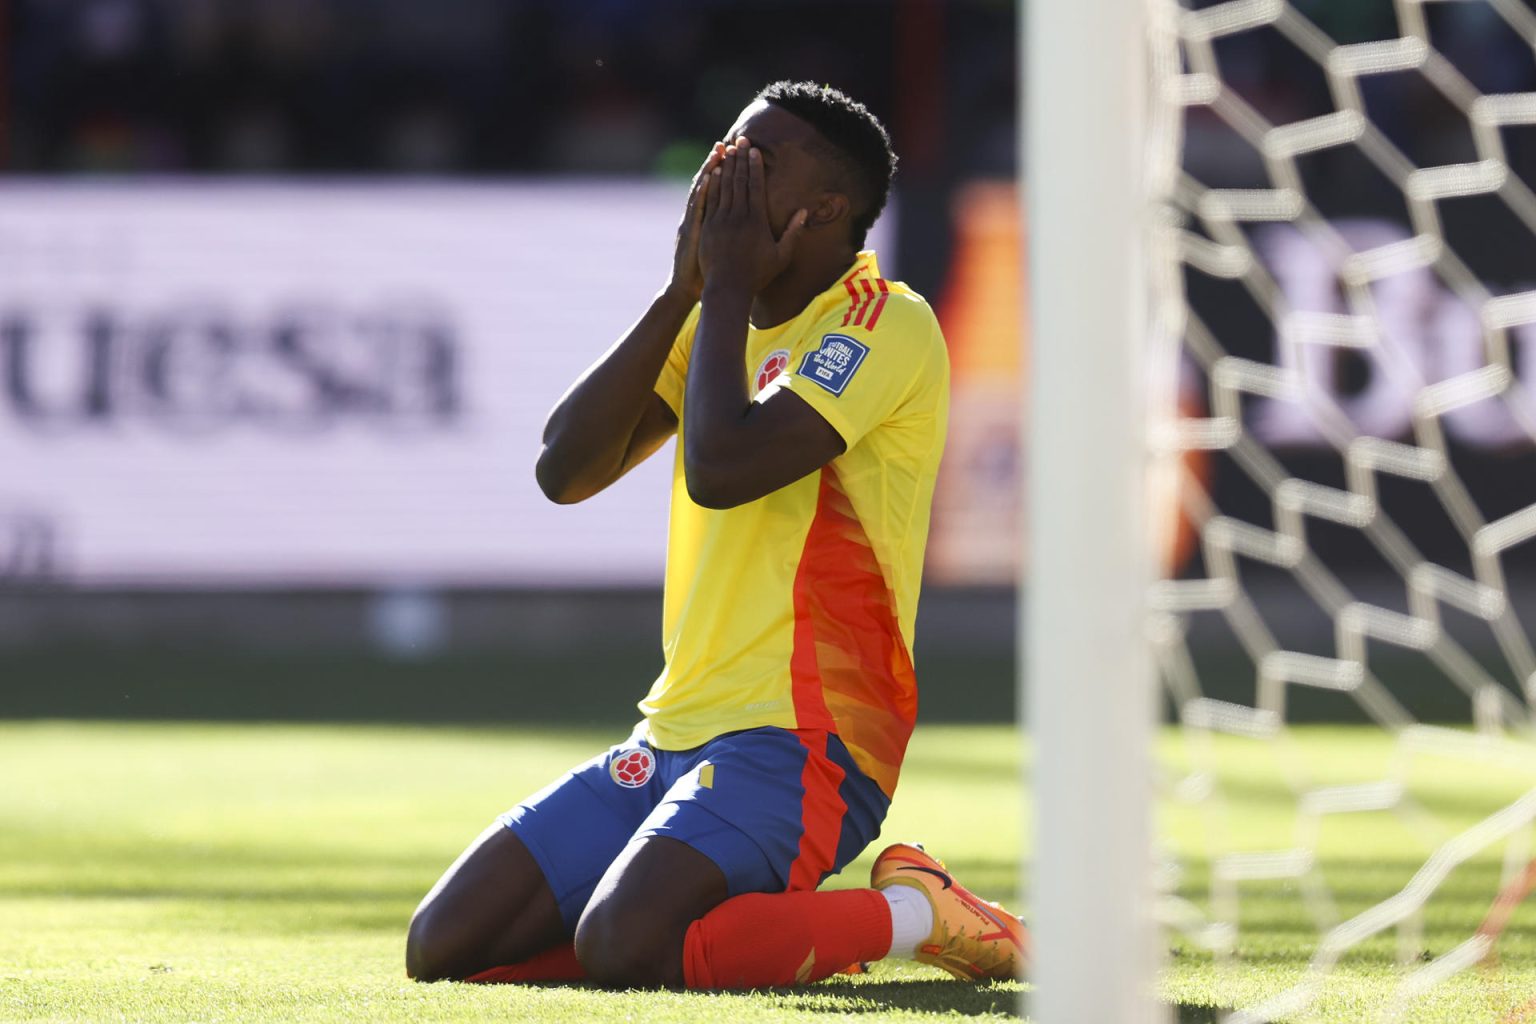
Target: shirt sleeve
x,y
674,373
857,379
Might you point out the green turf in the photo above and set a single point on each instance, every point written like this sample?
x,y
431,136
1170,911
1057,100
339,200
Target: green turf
x,y
265,873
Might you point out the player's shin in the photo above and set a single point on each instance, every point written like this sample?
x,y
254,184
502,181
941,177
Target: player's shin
x,y
761,939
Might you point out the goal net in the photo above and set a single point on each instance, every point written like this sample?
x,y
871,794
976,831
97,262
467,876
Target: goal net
x,y
1339,256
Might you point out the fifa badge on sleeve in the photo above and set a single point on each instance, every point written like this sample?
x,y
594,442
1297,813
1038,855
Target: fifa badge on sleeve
x,y
835,362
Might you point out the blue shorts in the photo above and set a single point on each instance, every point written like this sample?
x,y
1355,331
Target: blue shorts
x,y
775,809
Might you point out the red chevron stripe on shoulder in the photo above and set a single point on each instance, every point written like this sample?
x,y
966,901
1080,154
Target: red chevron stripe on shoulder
x,y
869,296
874,315
853,297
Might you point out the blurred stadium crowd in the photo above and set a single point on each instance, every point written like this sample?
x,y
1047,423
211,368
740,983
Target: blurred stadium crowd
x,y
483,86
495,87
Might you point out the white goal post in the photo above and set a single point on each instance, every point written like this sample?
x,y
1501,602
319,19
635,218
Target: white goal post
x,y
1089,705
1212,253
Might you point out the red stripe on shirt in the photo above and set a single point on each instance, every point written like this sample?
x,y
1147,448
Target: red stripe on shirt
x,y
850,670
869,296
853,301
804,670
885,293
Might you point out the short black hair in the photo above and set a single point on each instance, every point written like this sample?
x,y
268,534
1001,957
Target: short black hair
x,y
856,141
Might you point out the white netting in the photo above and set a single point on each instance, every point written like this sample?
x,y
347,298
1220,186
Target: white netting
x,y
1345,306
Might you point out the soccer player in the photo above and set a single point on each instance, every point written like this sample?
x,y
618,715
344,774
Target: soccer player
x,y
810,397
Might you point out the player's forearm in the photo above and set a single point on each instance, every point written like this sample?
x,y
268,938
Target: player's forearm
x,y
716,405
591,429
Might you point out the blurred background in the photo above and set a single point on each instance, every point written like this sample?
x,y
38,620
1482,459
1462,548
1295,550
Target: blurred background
x,y
287,287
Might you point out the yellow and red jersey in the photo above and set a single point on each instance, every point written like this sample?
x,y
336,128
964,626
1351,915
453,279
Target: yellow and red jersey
x,y
797,610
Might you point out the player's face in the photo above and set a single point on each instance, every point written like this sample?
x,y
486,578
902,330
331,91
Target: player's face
x,y
795,177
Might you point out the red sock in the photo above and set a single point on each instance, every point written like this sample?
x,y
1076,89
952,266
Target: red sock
x,y
557,963
789,938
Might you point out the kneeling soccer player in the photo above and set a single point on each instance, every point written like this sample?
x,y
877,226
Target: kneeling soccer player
x,y
809,396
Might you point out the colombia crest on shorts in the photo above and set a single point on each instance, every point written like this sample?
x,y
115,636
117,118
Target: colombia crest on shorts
x,y
633,768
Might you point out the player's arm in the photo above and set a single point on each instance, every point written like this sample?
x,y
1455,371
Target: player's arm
x,y
611,419
735,450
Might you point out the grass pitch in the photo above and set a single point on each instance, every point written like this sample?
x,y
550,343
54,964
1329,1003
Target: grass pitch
x,y
240,873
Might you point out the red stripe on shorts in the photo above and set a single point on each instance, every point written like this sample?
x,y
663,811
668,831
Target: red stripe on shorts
x,y
821,813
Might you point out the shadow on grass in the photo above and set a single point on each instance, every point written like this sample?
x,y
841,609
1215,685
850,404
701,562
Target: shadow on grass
x,y
946,997
918,995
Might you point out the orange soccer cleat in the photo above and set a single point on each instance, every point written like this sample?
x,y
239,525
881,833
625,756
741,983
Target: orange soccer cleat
x,y
972,938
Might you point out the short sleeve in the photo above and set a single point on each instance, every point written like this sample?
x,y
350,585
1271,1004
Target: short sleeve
x,y
674,373
857,379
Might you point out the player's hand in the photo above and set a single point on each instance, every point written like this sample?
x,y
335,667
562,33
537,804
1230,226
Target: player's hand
x,y
687,277
736,244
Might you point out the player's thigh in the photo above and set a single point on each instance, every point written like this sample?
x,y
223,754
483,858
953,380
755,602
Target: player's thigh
x,y
491,907
760,811
775,809
632,932
521,887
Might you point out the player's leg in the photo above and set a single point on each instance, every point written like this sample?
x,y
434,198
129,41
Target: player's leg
x,y
661,918
511,901
789,933
632,932
915,910
771,810
761,811
492,907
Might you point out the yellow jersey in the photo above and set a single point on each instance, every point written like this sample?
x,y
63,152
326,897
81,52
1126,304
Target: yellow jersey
x,y
796,610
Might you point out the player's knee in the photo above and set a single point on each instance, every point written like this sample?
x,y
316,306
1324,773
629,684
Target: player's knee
x,y
426,951
621,949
